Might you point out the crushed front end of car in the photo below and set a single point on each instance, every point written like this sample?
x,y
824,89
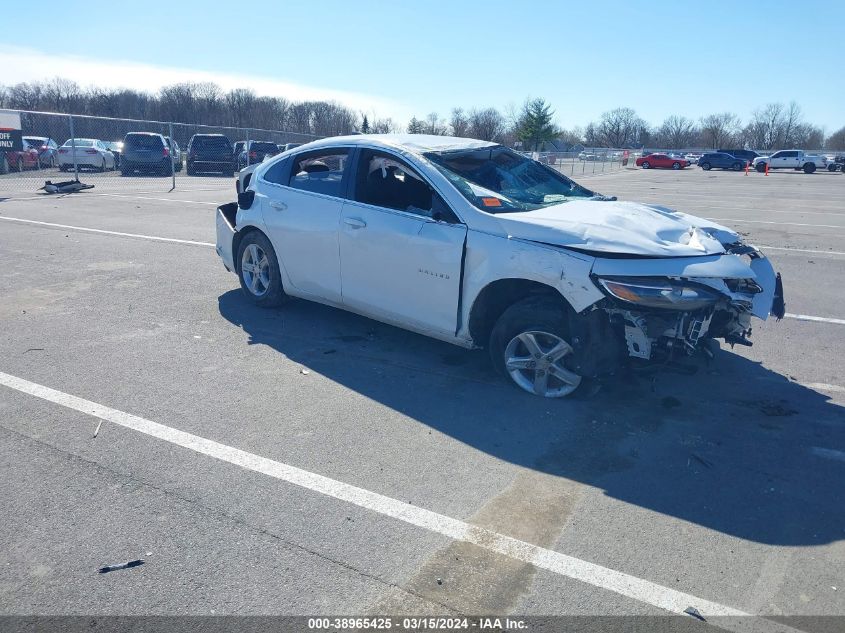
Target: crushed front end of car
x,y
662,317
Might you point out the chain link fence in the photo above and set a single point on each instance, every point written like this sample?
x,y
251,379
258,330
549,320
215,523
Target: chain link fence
x,y
589,161
118,154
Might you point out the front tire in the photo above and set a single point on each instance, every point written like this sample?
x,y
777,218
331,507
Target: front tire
x,y
761,167
258,271
737,166
646,165
706,166
530,346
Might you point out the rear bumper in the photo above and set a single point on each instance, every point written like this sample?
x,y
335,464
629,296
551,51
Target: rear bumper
x,y
226,218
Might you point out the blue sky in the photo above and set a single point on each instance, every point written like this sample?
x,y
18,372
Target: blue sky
x,y
402,58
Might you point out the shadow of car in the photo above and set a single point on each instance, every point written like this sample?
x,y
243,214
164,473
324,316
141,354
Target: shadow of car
x,y
730,449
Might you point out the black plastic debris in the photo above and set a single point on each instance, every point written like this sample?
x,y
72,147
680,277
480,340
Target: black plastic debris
x,y
68,186
127,565
695,613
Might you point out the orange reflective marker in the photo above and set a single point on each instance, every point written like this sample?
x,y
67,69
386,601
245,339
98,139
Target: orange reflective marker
x,y
491,202
746,168
767,169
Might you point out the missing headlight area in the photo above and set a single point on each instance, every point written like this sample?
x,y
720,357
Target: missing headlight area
x,y
660,319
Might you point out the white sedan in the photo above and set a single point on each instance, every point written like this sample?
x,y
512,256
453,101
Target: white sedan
x,y
85,152
469,242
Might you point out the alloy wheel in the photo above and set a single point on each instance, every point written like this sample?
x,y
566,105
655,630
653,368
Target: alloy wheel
x,y
255,268
535,361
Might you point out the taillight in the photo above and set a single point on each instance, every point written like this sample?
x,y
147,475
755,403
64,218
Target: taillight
x,y
62,151
165,152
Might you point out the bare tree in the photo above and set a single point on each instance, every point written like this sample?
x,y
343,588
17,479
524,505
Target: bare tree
x,y
435,125
459,123
677,132
618,128
836,141
719,130
487,124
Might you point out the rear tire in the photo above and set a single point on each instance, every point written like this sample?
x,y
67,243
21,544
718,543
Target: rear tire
x,y
19,164
831,167
676,165
809,168
258,271
706,166
523,347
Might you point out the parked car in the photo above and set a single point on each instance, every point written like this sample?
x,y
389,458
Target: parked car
x,y
791,159
145,152
742,154
837,163
116,148
47,148
472,243
210,153
88,153
720,160
692,158
13,160
258,151
175,152
663,161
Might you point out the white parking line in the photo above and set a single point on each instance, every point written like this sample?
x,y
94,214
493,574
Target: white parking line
x,y
120,195
823,386
829,453
590,573
802,317
802,250
821,226
807,317
87,230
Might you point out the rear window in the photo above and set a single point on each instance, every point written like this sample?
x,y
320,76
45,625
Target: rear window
x,y
143,141
260,146
212,142
320,172
80,142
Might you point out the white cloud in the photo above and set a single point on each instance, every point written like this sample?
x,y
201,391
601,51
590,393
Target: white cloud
x,y
26,64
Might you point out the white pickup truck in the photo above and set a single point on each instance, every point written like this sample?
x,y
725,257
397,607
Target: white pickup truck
x,y
791,159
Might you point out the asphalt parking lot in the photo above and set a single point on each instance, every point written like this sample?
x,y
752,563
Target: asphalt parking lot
x,y
306,461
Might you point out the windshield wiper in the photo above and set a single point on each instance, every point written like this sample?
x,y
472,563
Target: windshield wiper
x,y
602,198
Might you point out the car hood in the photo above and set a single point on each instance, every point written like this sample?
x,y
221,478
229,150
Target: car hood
x,y
617,227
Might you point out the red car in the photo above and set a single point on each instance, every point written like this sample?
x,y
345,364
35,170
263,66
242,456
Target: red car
x,y
18,161
661,161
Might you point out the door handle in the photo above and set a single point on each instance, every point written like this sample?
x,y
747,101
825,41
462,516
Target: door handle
x,y
355,223
278,206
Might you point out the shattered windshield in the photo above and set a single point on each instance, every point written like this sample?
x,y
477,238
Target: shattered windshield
x,y
498,180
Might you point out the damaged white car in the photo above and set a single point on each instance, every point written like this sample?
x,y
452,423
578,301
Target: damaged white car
x,y
471,243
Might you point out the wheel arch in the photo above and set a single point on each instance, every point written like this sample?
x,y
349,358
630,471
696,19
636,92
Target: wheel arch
x,y
494,298
238,237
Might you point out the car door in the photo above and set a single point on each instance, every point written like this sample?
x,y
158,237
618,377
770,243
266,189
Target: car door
x,y
301,200
401,247
779,160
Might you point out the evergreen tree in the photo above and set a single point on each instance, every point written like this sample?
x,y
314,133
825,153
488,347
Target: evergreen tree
x,y
535,123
